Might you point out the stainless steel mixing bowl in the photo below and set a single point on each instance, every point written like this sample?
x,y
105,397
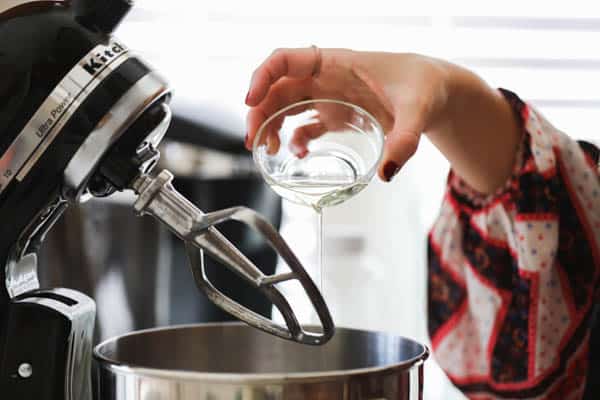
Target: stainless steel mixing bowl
x,y
236,362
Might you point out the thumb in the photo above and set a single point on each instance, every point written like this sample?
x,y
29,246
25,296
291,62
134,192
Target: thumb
x,y
400,145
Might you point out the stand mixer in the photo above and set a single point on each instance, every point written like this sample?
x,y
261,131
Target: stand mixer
x,y
81,116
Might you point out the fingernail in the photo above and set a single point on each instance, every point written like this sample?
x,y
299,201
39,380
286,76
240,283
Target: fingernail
x,y
247,97
246,140
390,169
297,150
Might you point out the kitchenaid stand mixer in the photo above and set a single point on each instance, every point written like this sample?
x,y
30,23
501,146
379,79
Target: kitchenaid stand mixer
x,y
81,116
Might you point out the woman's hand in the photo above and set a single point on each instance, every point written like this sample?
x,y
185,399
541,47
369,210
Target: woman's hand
x,y
409,94
403,91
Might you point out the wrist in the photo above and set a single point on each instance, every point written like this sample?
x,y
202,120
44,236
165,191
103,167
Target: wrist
x,y
462,93
445,81
476,130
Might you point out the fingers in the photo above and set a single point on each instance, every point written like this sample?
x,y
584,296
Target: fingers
x,y
254,119
270,136
290,63
398,149
284,93
273,142
303,135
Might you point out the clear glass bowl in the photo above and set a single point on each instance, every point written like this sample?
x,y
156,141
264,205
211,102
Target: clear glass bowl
x,y
319,152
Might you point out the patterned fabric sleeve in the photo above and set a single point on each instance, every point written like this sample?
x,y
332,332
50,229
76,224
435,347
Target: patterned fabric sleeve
x,y
513,276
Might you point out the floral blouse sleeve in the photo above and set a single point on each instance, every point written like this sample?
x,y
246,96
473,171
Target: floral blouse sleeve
x,y
513,276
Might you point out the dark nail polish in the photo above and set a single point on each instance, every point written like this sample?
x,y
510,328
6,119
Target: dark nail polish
x,y
390,169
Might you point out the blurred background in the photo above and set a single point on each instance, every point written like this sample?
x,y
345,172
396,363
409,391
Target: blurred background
x,y
375,261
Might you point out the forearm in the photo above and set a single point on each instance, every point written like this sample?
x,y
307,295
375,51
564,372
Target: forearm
x,y
476,130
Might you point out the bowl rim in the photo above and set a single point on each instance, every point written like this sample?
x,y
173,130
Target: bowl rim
x,y
120,368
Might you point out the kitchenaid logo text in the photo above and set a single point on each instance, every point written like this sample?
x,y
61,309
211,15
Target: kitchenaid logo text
x,y
97,61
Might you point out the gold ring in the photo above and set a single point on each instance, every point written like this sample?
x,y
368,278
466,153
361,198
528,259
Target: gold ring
x,y
318,60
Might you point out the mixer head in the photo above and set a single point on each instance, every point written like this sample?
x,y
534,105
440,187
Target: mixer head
x,y
72,94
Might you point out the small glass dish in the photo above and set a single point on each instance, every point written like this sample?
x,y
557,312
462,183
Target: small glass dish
x,y
319,152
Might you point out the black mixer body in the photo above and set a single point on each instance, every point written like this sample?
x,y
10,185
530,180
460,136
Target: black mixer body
x,y
80,116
